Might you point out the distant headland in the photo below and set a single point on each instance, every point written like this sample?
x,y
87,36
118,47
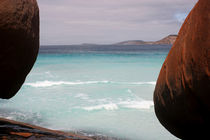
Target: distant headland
x,y
169,40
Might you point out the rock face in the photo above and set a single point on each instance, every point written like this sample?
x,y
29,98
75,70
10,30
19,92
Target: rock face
x,y
182,93
19,43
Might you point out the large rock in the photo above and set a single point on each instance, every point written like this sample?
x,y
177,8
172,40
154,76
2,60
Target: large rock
x,y
19,43
182,93
12,130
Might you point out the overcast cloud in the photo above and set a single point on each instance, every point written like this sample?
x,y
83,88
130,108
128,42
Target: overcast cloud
x,y
110,21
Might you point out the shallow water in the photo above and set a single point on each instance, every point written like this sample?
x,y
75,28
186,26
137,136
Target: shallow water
x,y
105,90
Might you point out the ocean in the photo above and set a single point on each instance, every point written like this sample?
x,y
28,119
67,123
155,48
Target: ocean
x,y
102,90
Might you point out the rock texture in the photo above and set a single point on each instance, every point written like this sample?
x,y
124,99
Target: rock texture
x,y
12,130
19,43
182,93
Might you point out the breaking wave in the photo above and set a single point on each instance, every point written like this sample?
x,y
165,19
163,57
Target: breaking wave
x,y
103,106
46,83
141,105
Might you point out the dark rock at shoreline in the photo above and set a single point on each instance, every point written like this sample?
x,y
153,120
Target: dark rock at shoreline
x,y
21,131
19,43
182,93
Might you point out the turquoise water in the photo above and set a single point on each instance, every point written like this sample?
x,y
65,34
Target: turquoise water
x,y
92,92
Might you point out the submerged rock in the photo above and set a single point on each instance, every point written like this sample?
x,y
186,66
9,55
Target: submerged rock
x,y
19,43
182,93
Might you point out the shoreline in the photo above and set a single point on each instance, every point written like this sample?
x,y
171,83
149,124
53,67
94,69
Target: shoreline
x,y
10,129
96,135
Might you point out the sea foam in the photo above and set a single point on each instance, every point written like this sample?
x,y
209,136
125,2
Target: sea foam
x,y
82,96
57,83
140,105
47,83
109,107
137,104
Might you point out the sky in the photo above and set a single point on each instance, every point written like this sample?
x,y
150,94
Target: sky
x,y
66,22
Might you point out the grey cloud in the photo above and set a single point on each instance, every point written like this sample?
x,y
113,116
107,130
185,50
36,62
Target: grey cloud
x,y
109,21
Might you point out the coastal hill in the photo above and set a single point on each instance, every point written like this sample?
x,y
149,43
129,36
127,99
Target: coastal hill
x,y
169,40
131,42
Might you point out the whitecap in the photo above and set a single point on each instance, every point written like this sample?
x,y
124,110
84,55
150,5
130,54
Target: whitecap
x,y
108,107
132,104
47,83
137,104
57,83
133,83
82,96
144,83
129,91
